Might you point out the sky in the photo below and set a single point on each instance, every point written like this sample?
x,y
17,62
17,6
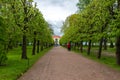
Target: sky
x,y
56,11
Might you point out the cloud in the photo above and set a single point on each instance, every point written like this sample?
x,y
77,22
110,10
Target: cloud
x,y
56,11
56,25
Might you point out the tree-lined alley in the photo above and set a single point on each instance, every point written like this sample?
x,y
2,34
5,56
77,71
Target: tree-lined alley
x,y
97,21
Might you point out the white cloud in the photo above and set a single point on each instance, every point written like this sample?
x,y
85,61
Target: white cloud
x,y
54,13
56,10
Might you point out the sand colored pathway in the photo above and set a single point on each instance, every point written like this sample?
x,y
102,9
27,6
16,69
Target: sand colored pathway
x,y
60,64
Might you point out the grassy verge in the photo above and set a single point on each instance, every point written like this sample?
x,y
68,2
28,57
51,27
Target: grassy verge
x,y
106,60
111,50
16,66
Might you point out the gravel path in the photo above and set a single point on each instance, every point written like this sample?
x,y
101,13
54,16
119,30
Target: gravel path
x,y
60,64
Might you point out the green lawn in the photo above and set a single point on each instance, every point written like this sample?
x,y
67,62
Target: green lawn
x,y
111,50
106,60
16,66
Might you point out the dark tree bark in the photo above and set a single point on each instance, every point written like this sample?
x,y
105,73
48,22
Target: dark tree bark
x,y
38,46
101,40
86,43
34,44
42,46
111,44
81,46
105,43
10,46
89,47
118,50
26,20
100,48
118,41
75,46
34,47
24,47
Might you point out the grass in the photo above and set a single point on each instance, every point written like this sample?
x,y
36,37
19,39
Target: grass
x,y
109,61
112,50
16,66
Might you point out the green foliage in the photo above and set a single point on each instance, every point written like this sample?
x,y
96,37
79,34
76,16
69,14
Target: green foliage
x,y
2,30
115,24
18,18
92,23
3,56
82,4
95,21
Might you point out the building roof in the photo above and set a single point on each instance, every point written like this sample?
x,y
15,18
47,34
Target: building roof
x,y
56,36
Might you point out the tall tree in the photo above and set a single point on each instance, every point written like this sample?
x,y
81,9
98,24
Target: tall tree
x,y
3,56
82,4
118,35
23,13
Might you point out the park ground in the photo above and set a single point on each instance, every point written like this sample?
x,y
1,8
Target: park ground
x,y
61,64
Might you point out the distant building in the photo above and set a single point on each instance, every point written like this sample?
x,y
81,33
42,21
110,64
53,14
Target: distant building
x,y
56,40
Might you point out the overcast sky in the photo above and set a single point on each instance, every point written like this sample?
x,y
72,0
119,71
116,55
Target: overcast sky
x,y
56,11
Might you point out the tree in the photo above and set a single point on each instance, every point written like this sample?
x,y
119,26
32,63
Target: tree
x,y
92,26
21,22
116,27
23,12
3,56
82,4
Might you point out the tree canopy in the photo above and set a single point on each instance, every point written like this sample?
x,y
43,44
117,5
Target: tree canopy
x,y
96,21
20,23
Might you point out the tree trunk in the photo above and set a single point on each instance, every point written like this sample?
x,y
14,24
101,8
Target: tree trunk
x,y
24,43
81,46
100,48
86,43
34,44
38,46
118,41
24,47
89,47
111,44
75,46
34,47
118,50
105,43
41,46
46,45
10,45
